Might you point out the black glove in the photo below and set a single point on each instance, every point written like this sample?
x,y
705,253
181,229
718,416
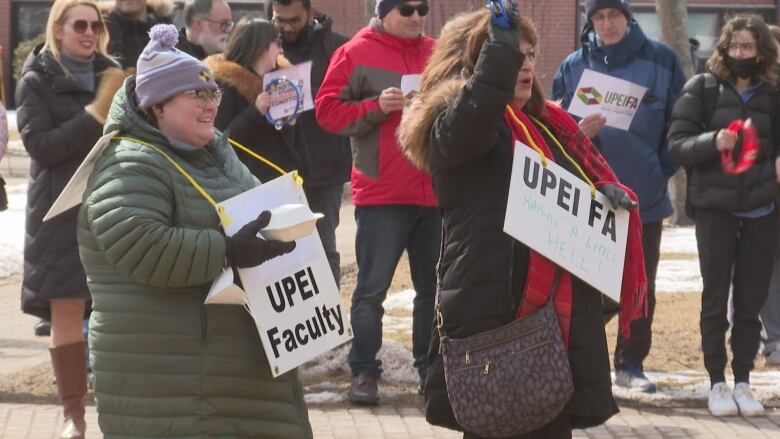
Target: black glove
x,y
618,197
245,249
508,37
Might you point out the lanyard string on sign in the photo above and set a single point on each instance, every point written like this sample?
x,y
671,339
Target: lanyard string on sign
x,y
536,147
224,218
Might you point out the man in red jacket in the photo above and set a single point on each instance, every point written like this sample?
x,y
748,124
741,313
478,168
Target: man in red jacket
x,y
395,208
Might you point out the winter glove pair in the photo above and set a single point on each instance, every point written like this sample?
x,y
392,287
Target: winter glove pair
x,y
245,249
618,197
508,36
109,82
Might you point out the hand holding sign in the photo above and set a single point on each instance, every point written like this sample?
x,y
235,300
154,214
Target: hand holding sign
x,y
616,99
263,102
618,197
391,99
591,125
245,249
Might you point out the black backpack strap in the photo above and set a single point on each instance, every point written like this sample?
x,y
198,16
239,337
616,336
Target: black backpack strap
x,y
709,98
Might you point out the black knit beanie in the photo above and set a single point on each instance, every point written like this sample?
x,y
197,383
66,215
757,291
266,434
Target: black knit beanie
x,y
592,6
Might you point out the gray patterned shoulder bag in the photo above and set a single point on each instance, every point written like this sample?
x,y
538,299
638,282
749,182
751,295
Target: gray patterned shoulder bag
x,y
510,380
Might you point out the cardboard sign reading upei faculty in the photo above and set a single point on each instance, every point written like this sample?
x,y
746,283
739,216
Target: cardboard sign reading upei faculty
x,y
551,211
293,298
616,99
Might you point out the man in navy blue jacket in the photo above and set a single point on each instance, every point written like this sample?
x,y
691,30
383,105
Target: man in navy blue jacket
x,y
614,44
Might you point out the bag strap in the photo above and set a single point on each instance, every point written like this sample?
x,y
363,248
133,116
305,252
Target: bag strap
x,y
224,219
440,316
709,97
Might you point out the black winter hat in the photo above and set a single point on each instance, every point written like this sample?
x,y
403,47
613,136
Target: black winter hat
x,y
592,6
383,7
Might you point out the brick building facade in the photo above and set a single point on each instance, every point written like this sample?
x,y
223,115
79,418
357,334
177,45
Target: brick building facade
x,y
558,21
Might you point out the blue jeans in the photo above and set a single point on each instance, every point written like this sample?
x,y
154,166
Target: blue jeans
x,y
327,200
383,233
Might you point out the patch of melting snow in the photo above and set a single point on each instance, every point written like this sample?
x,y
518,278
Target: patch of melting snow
x,y
12,224
678,276
403,300
690,385
679,240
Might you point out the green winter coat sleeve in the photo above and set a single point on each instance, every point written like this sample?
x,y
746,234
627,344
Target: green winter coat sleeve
x,y
130,209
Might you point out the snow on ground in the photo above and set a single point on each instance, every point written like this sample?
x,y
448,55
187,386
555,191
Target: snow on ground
x,y
694,386
12,228
678,269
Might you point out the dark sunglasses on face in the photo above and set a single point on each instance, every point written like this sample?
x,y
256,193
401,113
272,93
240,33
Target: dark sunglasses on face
x,y
407,10
80,26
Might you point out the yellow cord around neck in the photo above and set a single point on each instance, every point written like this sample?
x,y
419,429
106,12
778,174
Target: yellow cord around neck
x,y
224,218
557,143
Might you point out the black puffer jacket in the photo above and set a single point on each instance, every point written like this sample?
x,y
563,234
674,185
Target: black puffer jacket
x,y
482,269
58,134
129,36
692,144
240,119
328,156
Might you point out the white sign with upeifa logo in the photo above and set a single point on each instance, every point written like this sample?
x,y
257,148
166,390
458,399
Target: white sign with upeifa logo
x,y
616,99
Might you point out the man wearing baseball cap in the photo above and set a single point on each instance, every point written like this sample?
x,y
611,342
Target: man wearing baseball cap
x,y
395,208
614,44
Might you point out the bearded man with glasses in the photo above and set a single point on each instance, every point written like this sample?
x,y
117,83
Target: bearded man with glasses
x,y
395,207
208,24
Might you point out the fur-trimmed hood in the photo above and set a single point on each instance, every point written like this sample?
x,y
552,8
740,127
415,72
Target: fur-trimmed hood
x,y
160,8
232,74
418,119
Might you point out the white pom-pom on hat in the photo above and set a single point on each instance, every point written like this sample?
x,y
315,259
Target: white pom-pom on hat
x,y
166,36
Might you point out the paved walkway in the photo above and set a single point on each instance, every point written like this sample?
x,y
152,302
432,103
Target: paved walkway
x,y
19,421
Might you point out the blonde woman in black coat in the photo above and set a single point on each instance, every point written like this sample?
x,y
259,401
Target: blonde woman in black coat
x,y
63,97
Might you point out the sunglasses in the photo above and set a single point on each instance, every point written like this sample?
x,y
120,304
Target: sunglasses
x,y
407,10
80,26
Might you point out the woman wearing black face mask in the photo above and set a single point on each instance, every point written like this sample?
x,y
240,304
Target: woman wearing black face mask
x,y
734,209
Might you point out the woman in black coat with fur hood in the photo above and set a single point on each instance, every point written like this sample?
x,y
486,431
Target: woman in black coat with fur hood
x,y
253,50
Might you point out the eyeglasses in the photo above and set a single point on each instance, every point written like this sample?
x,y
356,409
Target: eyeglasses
x,y
292,22
225,26
747,47
407,10
203,96
80,26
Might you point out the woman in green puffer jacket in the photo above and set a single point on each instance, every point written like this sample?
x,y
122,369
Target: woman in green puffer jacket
x,y
165,365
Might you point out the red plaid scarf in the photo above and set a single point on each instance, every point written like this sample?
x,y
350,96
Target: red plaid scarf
x,y
541,271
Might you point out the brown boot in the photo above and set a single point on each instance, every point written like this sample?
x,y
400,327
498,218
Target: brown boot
x,y
70,369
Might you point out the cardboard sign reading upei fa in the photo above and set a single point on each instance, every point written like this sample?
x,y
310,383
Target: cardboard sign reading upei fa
x,y
293,298
551,211
616,99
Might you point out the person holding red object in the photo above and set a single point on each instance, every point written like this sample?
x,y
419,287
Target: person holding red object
x,y
735,212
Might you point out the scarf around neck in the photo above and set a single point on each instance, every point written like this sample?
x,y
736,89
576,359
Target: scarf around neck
x,y
542,271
